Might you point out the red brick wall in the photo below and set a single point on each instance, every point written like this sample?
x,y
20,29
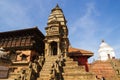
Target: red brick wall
x,y
102,69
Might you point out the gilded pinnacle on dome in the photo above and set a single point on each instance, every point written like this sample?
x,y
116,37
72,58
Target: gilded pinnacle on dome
x,y
103,41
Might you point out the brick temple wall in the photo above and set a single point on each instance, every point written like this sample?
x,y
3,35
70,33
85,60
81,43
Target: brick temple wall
x,y
102,69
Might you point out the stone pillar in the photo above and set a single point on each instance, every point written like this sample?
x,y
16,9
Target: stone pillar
x,y
65,54
47,48
65,49
58,48
50,50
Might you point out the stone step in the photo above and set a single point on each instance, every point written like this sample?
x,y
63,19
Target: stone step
x,y
75,78
51,60
51,57
78,78
74,67
73,70
47,65
47,68
78,74
68,59
72,64
47,71
43,78
46,74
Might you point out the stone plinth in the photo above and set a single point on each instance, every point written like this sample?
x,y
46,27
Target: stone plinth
x,y
74,72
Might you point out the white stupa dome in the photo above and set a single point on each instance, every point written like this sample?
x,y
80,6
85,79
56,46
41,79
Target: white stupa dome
x,y
105,51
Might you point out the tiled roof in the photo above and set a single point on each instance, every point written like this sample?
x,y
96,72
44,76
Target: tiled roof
x,y
78,52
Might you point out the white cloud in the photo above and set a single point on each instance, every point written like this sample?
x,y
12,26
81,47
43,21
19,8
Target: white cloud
x,y
13,15
18,14
86,22
85,28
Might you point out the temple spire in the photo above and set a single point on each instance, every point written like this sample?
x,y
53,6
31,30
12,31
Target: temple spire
x,y
57,5
57,15
56,33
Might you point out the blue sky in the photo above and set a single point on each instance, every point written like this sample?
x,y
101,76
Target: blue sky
x,y
89,21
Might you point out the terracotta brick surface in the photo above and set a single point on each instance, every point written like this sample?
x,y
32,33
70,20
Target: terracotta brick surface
x,y
102,69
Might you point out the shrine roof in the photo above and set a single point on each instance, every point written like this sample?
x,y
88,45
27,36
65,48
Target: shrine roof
x,y
79,52
21,32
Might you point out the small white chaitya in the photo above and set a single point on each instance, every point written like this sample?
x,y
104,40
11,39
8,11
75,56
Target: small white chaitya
x,y
105,51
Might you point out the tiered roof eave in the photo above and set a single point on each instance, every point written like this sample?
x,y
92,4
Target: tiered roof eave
x,y
79,52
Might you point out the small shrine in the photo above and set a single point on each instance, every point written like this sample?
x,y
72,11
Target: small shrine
x,y
80,55
105,52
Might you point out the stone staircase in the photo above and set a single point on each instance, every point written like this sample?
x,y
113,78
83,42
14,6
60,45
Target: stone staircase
x,y
116,66
71,71
47,67
104,69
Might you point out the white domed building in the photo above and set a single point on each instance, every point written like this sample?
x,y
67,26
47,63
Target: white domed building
x,y
105,51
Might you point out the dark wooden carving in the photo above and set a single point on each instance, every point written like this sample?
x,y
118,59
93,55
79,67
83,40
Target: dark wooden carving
x,y
31,38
